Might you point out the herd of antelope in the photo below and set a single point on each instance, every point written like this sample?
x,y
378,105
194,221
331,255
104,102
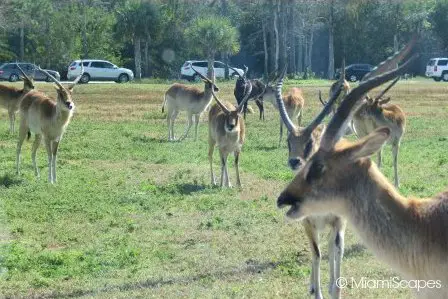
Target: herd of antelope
x,y
335,181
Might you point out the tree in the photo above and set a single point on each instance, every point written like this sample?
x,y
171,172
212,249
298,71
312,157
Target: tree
x,y
210,35
439,21
135,22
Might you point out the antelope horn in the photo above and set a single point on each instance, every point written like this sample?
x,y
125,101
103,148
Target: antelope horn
x,y
320,99
327,107
245,71
246,97
341,118
23,73
281,105
73,84
52,78
381,94
223,107
238,74
393,61
202,76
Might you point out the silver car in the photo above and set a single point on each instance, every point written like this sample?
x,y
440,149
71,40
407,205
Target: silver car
x,y
99,70
9,71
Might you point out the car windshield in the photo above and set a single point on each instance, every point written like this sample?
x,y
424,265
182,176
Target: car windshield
x,y
431,62
73,63
186,64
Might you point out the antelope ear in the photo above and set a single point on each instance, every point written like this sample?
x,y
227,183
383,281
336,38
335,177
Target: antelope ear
x,y
318,131
368,145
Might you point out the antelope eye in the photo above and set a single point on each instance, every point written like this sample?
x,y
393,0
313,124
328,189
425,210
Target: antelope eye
x,y
316,170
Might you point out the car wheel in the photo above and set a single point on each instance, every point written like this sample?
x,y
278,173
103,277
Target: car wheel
x,y
85,78
445,76
437,79
123,78
13,78
353,78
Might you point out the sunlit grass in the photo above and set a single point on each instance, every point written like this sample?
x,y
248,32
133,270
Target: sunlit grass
x,y
133,215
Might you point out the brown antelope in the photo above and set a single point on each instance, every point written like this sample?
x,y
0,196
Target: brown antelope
x,y
47,119
181,97
411,235
10,98
302,143
293,102
226,130
375,113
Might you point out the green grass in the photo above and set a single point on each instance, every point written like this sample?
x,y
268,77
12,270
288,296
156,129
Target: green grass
x,y
134,216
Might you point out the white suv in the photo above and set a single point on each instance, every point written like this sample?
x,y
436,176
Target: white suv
x,y
437,68
99,70
201,66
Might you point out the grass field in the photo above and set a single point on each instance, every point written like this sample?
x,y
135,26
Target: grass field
x,y
134,216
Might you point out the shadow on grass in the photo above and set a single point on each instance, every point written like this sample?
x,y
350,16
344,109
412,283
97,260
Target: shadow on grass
x,y
183,188
267,148
8,181
251,267
145,139
355,250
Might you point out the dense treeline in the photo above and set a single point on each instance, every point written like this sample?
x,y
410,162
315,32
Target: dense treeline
x,y
155,37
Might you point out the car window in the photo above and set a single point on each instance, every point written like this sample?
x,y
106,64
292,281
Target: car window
x,y
218,64
200,64
73,63
431,62
85,63
108,65
98,64
10,66
186,64
442,62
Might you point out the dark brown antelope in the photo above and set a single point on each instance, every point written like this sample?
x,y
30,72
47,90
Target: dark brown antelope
x,y
181,97
10,98
410,235
47,119
226,131
302,143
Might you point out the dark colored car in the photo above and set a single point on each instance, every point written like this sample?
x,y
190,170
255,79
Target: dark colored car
x,y
9,71
355,72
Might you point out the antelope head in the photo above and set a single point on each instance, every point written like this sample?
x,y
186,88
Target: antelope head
x,y
303,141
65,93
232,117
28,83
208,83
335,171
373,106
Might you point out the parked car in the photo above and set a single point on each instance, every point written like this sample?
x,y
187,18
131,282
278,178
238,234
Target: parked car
x,y
355,72
202,66
99,70
9,71
437,68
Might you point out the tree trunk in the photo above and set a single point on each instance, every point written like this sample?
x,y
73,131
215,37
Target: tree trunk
x,y
284,33
266,54
22,41
331,43
292,39
225,59
310,50
300,41
211,71
147,59
138,58
85,46
277,42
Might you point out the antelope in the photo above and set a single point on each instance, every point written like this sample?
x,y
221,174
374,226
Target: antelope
x,y
410,234
258,88
48,120
181,97
227,131
302,143
10,98
293,103
375,113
